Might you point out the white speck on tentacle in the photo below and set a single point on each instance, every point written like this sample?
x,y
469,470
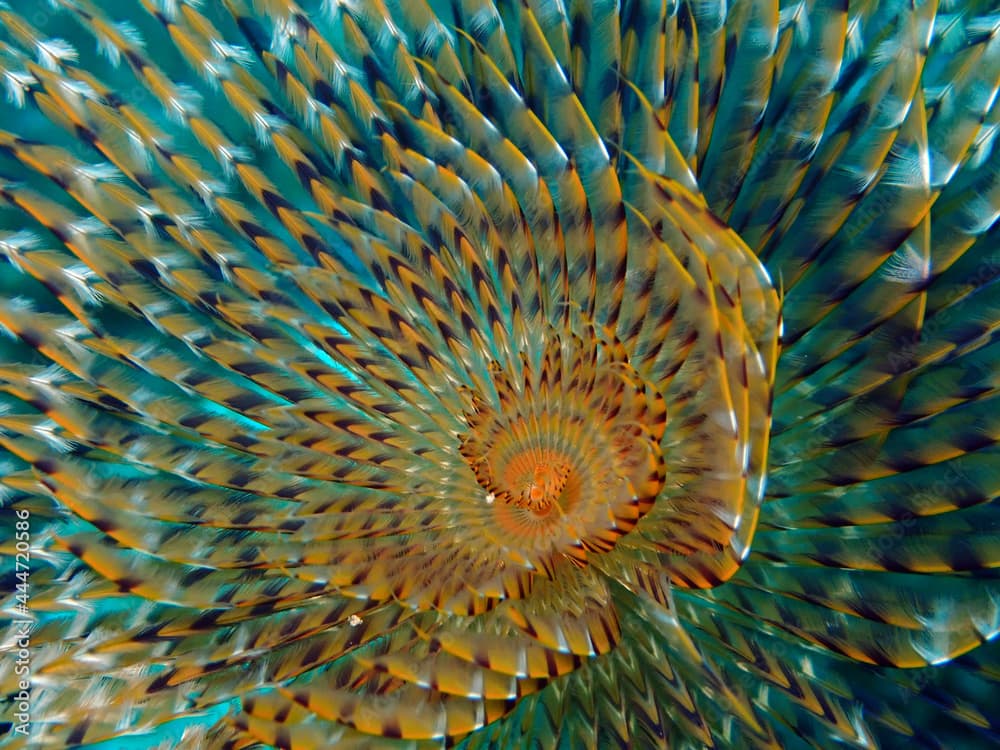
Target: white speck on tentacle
x,y
53,52
17,84
354,621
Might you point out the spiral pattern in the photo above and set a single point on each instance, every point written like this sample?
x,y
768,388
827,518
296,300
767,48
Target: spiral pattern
x,y
502,374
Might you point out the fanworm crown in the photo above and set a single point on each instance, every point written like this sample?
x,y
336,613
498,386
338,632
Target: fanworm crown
x,y
500,374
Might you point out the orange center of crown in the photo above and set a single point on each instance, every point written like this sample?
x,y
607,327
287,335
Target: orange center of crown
x,y
568,454
536,479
